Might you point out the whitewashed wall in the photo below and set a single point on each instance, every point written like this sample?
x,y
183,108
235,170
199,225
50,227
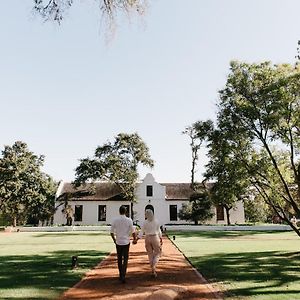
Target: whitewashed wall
x,y
90,212
237,215
157,200
179,206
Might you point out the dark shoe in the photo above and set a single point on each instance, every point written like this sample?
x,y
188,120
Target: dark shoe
x,y
154,274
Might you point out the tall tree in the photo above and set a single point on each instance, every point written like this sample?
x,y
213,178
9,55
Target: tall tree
x,y
225,170
198,133
116,162
261,102
42,207
199,207
24,188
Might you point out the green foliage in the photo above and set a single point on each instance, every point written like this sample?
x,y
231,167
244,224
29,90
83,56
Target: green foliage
x,y
230,180
199,208
4,220
225,169
116,162
198,133
268,185
261,104
42,208
256,139
24,190
256,210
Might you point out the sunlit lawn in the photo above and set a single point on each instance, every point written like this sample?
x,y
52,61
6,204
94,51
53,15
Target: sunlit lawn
x,y
38,265
248,265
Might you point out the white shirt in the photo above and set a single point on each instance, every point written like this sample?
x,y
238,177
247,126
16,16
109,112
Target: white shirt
x,y
122,227
150,228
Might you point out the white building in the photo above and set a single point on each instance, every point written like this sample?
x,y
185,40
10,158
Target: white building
x,y
102,205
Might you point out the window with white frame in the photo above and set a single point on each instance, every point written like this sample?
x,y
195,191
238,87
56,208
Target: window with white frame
x,y
173,212
101,212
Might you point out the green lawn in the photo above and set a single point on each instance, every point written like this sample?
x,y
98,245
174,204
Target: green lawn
x,y
38,265
248,265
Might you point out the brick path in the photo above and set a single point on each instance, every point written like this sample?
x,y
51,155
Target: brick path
x,y
177,279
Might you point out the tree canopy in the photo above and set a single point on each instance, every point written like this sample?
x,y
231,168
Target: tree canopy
x,y
25,191
230,180
256,138
261,104
198,133
116,162
199,208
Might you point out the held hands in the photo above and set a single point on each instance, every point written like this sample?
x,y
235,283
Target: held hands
x,y
135,239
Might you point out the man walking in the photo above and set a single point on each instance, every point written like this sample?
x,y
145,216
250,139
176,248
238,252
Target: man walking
x,y
121,230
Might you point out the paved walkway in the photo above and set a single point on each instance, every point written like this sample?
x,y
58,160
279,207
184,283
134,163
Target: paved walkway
x,y
177,279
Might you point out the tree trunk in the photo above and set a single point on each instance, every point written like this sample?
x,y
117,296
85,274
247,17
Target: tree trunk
x,y
131,210
193,173
294,227
279,211
14,221
227,209
69,221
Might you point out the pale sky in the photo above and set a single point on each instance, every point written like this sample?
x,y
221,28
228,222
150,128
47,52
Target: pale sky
x,y
64,91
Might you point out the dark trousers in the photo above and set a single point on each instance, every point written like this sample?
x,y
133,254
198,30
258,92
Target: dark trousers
x,y
122,253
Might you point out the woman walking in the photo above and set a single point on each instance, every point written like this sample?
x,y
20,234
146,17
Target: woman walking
x,y
153,239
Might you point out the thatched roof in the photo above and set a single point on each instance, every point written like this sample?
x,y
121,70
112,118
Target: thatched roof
x,y
99,191
104,191
180,191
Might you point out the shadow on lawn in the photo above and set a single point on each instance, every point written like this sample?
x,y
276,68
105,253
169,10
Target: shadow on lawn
x,y
263,273
72,233
220,234
46,271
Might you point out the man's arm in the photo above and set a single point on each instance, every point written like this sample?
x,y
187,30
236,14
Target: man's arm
x,y
112,232
113,237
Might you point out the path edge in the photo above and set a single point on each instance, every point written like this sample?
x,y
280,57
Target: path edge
x,y
87,274
217,294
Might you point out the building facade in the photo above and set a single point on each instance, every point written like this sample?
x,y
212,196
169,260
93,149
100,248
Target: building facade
x,y
101,204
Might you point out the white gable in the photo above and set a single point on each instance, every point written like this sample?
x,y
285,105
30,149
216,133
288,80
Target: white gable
x,y
157,200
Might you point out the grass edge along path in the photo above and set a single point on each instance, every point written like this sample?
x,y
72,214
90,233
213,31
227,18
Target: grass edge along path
x,y
245,265
38,265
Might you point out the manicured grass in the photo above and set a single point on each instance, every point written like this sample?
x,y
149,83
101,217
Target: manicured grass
x,y
38,265
248,265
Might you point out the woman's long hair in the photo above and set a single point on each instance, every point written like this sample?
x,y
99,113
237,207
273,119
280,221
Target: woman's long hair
x,y
149,215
